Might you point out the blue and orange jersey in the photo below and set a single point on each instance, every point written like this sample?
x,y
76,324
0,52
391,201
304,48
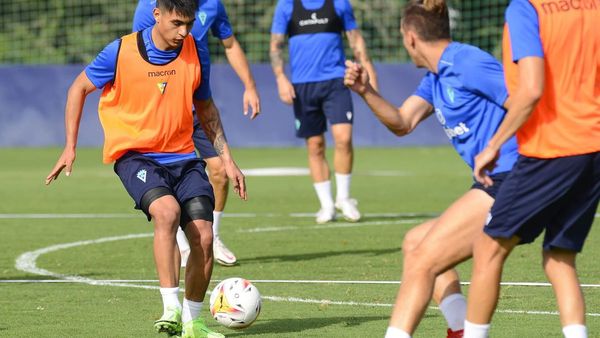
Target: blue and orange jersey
x,y
468,94
147,107
566,120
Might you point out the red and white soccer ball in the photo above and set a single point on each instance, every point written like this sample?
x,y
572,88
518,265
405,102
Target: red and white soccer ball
x,y
235,303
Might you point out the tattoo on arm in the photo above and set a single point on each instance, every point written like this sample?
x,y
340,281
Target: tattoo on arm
x,y
275,53
211,123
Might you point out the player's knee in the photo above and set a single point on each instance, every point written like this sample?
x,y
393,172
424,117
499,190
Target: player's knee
x,y
167,216
410,242
343,144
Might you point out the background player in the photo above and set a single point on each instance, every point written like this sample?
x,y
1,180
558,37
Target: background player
x,y
464,88
211,15
315,28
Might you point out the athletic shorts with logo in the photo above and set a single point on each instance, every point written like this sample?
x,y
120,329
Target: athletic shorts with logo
x,y
185,179
319,102
557,195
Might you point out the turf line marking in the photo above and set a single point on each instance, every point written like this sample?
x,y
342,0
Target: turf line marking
x,y
329,226
26,262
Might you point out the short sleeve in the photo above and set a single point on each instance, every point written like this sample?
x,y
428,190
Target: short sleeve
x,y
524,31
346,13
425,89
143,16
482,74
203,92
221,27
102,69
281,17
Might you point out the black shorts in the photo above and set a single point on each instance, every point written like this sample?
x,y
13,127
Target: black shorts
x,y
319,102
558,195
498,179
185,179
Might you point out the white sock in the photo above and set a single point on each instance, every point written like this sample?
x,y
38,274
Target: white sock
x,y
476,330
323,190
394,332
182,241
216,221
190,311
454,309
575,331
170,298
342,182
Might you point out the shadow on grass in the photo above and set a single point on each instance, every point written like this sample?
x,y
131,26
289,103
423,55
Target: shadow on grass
x,y
297,325
316,255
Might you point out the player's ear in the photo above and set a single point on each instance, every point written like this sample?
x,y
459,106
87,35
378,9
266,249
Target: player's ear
x,y
156,14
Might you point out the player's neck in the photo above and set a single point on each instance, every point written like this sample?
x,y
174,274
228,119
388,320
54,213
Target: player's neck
x,y
158,41
433,53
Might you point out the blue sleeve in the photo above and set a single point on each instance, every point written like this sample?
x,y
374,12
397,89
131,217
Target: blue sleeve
x,y
482,74
143,16
524,30
425,89
221,28
281,17
346,13
102,69
203,92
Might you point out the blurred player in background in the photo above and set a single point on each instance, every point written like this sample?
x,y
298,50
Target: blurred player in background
x,y
464,88
555,186
151,80
315,29
211,15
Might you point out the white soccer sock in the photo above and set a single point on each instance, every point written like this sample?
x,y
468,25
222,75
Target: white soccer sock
x,y
216,221
476,330
454,309
575,331
394,332
342,182
323,190
191,310
170,298
182,241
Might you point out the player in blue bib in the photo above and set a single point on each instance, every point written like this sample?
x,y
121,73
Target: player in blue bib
x,y
316,50
211,15
464,89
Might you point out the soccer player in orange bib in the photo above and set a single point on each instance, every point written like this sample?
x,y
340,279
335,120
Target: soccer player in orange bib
x,y
552,70
151,80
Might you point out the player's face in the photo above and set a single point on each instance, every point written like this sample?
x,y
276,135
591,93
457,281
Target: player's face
x,y
172,27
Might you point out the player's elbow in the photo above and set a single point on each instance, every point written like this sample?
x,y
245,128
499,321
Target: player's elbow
x,y
400,130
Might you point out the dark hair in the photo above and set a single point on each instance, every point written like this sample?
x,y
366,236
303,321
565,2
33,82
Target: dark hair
x,y
428,18
186,8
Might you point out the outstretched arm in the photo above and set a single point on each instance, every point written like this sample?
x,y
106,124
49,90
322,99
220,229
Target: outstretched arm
x,y
359,48
79,90
210,120
399,121
237,59
284,86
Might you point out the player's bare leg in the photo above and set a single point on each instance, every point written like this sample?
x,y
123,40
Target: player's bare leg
x,y
343,159
220,183
448,242
319,171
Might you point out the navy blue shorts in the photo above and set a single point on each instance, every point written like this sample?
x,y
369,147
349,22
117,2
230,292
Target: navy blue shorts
x,y
185,179
498,179
558,195
319,102
201,142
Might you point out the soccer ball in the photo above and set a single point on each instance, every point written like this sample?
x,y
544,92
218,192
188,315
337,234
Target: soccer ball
x,y
235,303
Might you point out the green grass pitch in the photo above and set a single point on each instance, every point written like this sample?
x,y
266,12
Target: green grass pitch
x,y
272,236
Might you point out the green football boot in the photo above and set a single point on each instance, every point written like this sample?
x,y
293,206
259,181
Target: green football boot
x,y
169,323
196,328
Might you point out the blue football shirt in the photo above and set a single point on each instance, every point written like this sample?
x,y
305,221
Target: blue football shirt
x,y
314,57
468,94
523,31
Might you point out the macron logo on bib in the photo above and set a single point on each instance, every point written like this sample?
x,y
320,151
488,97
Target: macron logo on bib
x,y
142,175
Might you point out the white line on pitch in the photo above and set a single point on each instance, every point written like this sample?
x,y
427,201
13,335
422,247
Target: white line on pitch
x,y
278,281
329,226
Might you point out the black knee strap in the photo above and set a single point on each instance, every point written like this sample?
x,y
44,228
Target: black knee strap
x,y
151,196
200,207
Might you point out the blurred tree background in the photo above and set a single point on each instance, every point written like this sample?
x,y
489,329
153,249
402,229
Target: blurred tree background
x,y
74,31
